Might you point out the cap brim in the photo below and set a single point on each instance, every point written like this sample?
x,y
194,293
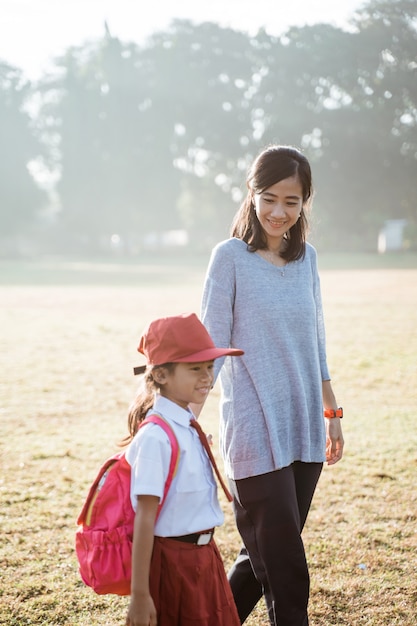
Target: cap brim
x,y
209,354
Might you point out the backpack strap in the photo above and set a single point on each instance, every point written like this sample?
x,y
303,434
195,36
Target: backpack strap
x,y
156,418
93,489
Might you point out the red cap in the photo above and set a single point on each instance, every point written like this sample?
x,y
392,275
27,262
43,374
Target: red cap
x,y
180,339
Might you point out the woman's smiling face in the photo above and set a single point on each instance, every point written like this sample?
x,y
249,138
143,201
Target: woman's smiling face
x,y
278,208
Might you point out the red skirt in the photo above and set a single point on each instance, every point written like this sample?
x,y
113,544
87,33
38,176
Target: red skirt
x,y
189,586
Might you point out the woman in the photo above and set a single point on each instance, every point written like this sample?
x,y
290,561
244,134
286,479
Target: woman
x,y
279,417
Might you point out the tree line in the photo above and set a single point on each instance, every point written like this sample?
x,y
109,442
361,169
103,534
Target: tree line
x,y
122,142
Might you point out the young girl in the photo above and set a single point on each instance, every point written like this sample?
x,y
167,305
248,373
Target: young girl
x,y
178,575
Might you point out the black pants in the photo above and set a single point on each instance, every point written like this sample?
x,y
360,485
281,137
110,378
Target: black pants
x,y
270,511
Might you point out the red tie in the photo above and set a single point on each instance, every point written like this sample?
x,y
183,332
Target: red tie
x,y
194,423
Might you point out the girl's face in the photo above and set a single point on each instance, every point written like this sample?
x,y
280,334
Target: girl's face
x,y
278,208
187,383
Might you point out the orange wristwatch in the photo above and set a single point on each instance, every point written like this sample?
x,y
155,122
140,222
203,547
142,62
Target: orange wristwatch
x,y
333,412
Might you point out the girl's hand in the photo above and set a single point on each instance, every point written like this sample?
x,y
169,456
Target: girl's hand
x,y
141,611
334,440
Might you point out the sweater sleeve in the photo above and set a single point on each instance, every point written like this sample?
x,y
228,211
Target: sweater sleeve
x,y
321,332
218,300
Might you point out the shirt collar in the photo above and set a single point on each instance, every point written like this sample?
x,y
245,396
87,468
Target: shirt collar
x,y
173,411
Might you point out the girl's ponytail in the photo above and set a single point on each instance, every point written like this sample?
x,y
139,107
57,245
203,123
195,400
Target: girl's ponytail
x,y
144,401
141,404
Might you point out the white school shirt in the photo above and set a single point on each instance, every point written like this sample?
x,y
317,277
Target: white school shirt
x,y
192,504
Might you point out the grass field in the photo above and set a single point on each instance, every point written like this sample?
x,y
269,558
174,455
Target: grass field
x,y
67,348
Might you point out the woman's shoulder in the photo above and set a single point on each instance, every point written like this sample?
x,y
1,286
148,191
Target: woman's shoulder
x,y
233,243
310,249
310,253
226,259
229,247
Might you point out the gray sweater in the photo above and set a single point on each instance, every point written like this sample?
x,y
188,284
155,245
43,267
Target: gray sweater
x,y
271,411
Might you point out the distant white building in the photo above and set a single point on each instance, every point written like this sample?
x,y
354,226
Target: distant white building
x,y
166,239
391,236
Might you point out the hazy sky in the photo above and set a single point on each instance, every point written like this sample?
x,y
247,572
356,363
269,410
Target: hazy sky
x,y
32,32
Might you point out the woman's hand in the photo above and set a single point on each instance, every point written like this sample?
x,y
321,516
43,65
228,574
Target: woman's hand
x,y
334,440
334,436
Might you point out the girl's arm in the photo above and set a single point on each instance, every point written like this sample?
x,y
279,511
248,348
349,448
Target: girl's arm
x,y
141,611
334,436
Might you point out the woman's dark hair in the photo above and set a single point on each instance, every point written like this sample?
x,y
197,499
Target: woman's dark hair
x,y
272,165
144,400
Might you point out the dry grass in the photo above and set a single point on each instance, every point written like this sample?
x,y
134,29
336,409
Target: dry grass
x,y
66,356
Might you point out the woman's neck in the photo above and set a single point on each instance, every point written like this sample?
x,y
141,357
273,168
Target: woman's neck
x,y
276,246
272,257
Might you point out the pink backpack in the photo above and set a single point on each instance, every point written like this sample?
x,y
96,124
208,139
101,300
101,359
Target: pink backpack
x,y
103,541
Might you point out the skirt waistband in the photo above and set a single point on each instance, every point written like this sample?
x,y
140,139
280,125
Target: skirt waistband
x,y
199,539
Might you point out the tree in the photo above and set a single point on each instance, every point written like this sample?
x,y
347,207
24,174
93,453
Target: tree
x,y
201,86
159,137
98,108
348,99
20,197
135,125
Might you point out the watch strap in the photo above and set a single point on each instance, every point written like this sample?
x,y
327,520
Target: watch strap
x,y
333,412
